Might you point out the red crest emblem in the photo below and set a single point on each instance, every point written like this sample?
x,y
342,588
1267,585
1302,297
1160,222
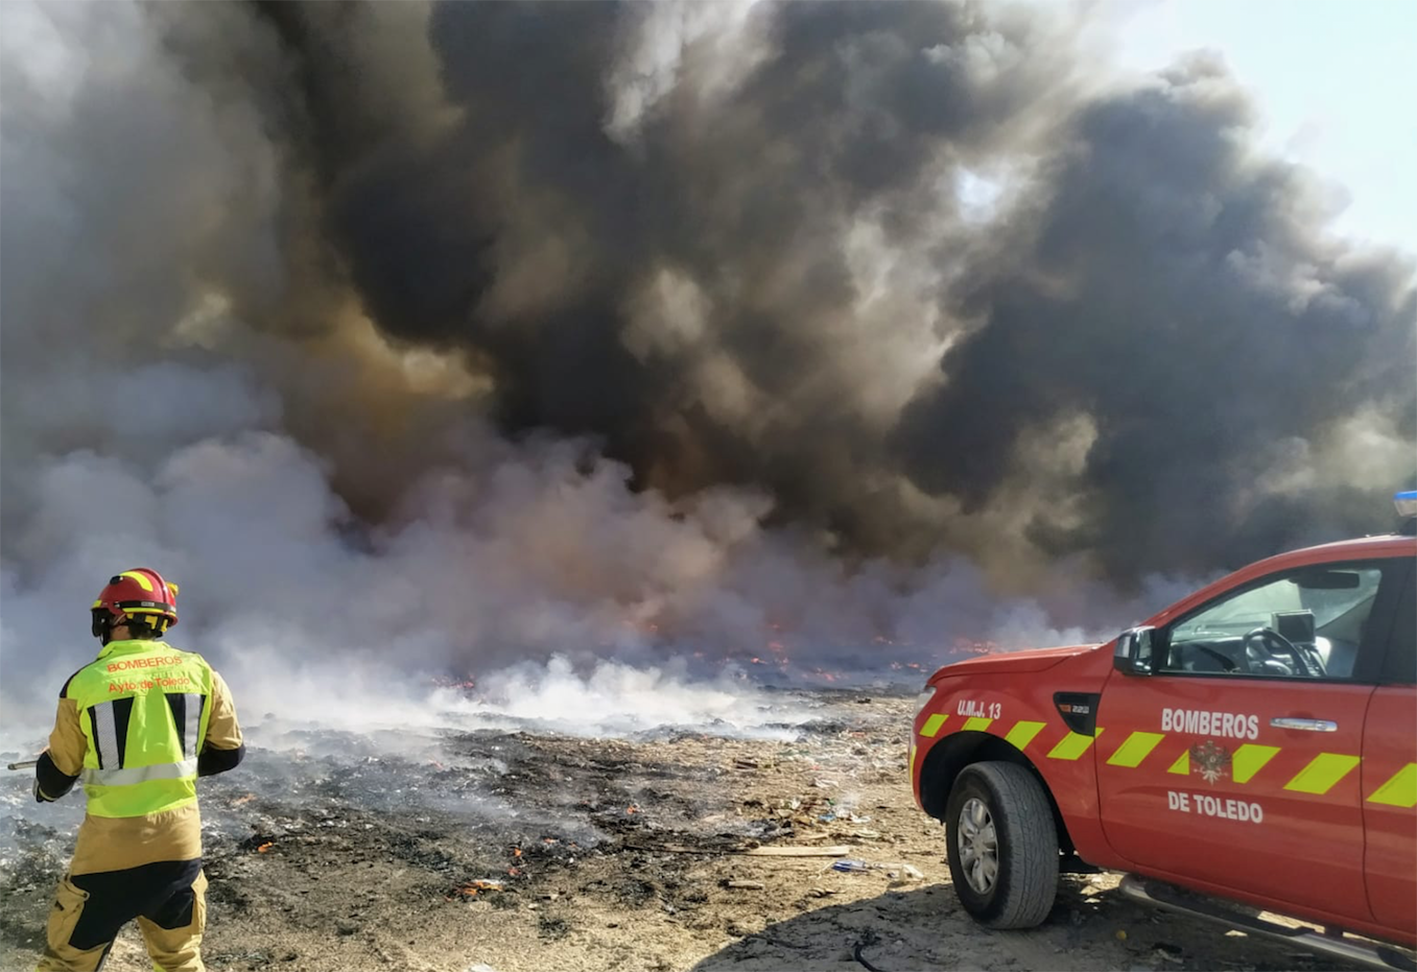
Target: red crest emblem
x,y
1210,760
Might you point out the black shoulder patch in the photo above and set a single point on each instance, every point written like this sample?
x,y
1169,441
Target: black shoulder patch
x,y
64,692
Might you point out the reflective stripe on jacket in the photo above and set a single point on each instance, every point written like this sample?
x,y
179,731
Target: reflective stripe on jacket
x,y
144,708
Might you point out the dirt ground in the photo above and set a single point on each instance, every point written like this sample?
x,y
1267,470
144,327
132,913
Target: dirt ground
x,y
511,851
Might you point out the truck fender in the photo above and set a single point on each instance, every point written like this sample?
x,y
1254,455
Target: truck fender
x,y
948,758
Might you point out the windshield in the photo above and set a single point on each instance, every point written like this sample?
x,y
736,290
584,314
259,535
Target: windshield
x,y
1258,607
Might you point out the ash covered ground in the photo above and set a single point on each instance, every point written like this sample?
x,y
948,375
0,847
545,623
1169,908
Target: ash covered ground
x,y
517,846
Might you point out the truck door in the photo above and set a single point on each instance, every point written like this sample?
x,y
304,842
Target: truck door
x,y
1237,762
1390,777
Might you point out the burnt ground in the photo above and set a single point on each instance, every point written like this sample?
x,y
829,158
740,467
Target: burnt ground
x,y
517,850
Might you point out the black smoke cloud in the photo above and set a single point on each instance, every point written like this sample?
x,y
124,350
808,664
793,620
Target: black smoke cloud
x,y
1178,292
677,278
192,380
683,290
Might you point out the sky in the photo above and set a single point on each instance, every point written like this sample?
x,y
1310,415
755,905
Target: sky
x,y
1336,81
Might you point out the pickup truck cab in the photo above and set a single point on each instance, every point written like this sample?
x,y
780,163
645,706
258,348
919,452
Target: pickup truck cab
x,y
1254,742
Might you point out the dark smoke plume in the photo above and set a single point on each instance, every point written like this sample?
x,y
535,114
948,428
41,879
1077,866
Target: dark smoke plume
x,y
677,278
1177,292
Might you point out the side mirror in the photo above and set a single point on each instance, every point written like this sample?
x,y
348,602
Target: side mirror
x,y
1133,653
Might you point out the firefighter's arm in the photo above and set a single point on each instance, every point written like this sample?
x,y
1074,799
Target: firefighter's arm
x,y
223,748
62,761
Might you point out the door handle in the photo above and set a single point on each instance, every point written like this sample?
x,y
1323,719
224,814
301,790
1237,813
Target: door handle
x,y
1309,725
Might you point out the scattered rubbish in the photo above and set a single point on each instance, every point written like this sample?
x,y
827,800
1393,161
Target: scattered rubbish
x,y
243,799
909,870
776,851
832,816
684,849
891,869
743,885
821,892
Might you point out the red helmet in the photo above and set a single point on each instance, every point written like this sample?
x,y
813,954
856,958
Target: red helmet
x,y
141,594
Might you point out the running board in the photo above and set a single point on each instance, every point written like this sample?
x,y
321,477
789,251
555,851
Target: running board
x,y
1371,954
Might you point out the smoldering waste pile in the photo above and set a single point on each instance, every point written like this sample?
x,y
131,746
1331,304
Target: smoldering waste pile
x,y
358,825
789,842
511,810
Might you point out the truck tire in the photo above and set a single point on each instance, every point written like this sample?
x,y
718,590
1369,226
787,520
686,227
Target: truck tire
x,y
1003,845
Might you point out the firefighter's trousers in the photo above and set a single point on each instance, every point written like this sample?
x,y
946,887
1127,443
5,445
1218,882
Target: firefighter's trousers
x,y
167,898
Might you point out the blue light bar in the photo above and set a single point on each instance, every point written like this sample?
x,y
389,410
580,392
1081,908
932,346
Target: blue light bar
x,y
1406,502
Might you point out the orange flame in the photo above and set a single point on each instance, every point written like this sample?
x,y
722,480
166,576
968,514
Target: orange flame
x,y
471,888
265,847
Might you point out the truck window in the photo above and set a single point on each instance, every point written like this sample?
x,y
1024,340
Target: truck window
x,y
1305,623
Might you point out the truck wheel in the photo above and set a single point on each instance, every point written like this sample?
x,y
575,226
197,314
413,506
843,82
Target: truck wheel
x,y
1003,846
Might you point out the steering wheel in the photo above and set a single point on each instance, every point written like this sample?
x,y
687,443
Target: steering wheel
x,y
1272,642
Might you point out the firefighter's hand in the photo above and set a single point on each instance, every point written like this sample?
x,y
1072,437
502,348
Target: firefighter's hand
x,y
39,796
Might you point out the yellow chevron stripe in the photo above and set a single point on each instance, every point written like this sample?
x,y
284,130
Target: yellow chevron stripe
x,y
1023,733
1137,748
1400,791
1323,773
1249,759
1072,745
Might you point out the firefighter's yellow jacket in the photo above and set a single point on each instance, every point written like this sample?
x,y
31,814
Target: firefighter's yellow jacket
x,y
138,763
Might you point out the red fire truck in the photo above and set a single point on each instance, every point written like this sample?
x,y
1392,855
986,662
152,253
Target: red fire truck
x,y
1254,744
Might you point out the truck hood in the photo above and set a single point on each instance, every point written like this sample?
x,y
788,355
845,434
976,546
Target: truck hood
x,y
1031,660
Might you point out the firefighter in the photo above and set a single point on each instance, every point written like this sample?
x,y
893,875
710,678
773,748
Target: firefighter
x,y
137,725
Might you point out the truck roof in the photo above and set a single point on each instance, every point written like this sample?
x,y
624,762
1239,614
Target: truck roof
x,y
1362,544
